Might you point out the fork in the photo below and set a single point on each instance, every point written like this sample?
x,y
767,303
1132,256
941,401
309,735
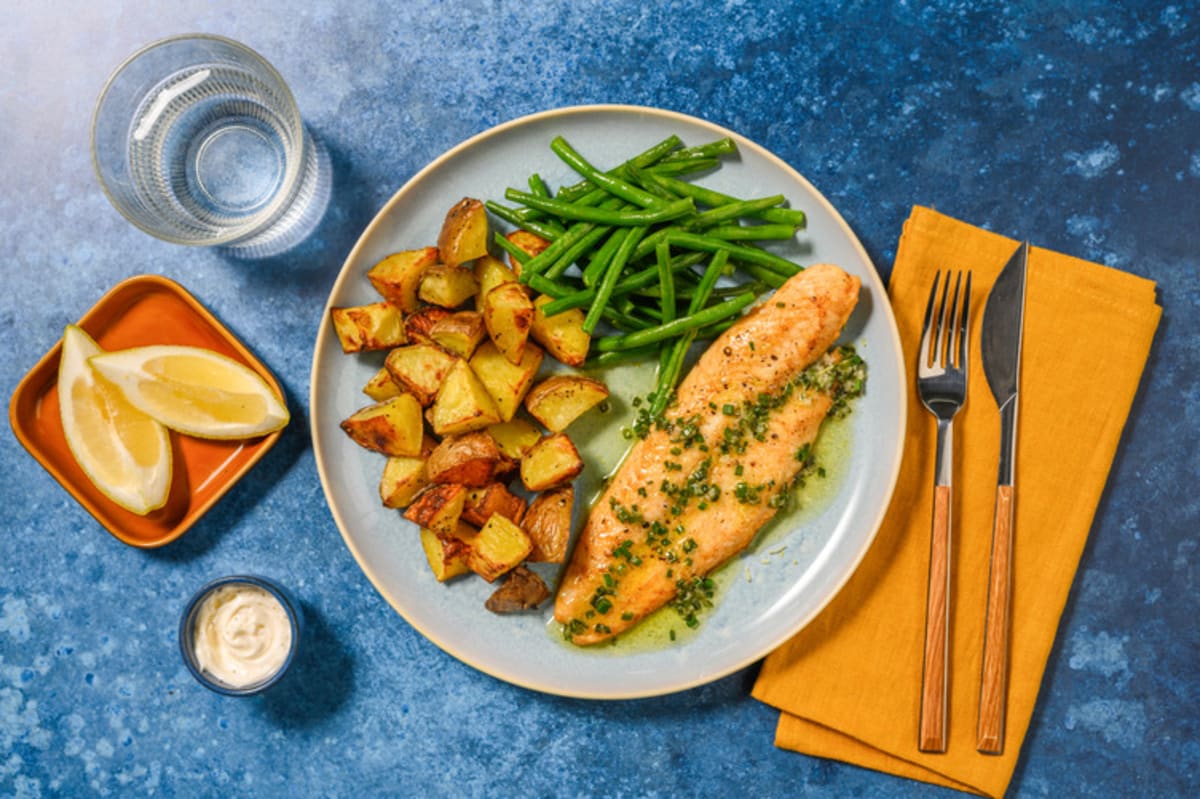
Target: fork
x,y
942,385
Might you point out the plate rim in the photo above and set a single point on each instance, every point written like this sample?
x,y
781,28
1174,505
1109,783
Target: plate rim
x,y
384,212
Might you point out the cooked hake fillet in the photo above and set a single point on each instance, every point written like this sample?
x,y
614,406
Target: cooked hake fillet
x,y
694,492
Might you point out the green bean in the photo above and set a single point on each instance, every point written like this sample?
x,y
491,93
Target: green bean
x,y
519,255
668,330
725,292
538,186
557,247
610,183
704,196
573,253
668,371
603,216
733,210
544,284
639,178
753,255
606,359
627,285
722,146
666,280
764,275
598,263
643,159
770,231
684,166
547,230
609,281
707,282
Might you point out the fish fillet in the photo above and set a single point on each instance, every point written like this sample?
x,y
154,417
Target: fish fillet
x,y
692,495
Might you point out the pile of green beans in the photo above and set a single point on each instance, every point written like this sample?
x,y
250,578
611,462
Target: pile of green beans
x,y
642,249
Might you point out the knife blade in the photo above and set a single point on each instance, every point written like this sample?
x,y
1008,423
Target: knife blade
x,y
1000,347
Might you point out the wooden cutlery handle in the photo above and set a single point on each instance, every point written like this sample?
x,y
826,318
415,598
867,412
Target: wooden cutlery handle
x,y
993,692
932,734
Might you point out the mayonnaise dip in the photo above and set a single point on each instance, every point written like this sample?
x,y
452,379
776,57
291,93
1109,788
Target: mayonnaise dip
x,y
242,633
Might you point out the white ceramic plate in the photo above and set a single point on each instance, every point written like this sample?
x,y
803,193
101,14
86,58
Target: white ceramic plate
x,y
775,588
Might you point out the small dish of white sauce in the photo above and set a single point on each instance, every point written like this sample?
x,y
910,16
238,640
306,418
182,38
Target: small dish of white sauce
x,y
239,634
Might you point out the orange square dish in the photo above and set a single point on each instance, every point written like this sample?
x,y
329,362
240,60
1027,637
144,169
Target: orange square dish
x,y
147,309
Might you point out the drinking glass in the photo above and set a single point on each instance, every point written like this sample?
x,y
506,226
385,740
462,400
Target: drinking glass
x,y
197,140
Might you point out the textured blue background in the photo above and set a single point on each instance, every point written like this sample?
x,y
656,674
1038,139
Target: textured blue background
x,y
1077,127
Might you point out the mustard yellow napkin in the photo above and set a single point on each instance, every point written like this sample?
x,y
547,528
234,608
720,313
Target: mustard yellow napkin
x,y
849,683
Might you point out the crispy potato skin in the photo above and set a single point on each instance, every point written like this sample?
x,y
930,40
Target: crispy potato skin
x,y
470,459
398,276
521,590
459,333
508,316
464,234
392,427
420,369
548,524
364,328
493,498
438,508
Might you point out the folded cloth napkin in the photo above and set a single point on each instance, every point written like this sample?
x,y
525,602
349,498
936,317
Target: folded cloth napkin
x,y
849,683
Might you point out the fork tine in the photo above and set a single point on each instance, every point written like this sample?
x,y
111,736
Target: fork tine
x,y
927,328
943,323
964,324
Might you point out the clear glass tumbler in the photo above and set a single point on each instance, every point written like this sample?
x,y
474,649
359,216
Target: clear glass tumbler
x,y
197,140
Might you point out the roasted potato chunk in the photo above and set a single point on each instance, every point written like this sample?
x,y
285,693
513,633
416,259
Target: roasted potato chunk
x,y
515,438
402,480
521,590
438,508
470,459
548,524
489,499
531,243
500,545
464,234
505,381
561,399
381,386
393,427
550,462
377,326
447,286
418,326
489,273
398,277
420,369
562,335
447,555
459,333
508,315
462,404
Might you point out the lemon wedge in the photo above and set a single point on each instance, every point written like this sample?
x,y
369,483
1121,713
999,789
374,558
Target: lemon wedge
x,y
194,391
125,453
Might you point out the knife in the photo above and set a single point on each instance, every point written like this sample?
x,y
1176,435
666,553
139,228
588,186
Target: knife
x,y
1000,347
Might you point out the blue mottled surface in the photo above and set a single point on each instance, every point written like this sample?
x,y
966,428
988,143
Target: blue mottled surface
x,y
1077,127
